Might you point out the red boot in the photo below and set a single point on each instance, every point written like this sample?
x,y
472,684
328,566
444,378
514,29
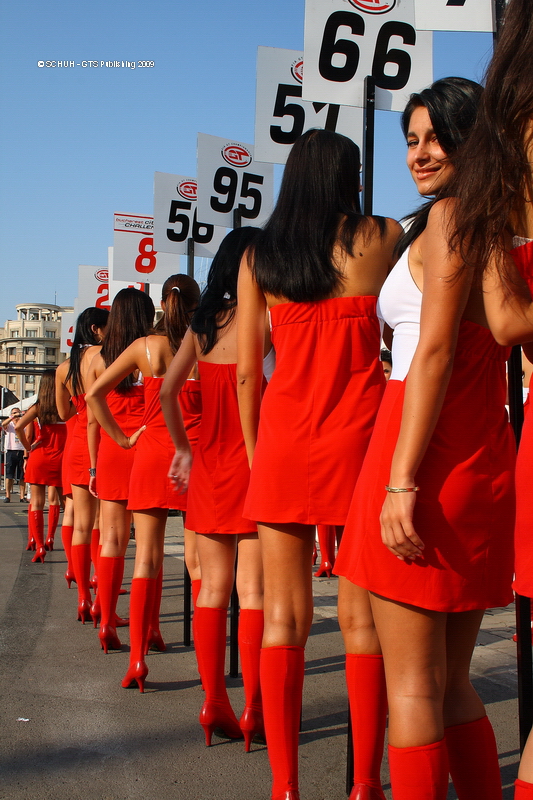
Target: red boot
x,y
31,538
419,773
81,565
367,693
38,532
195,591
210,645
251,623
523,790
473,758
155,640
66,538
53,519
110,574
141,605
95,552
327,535
282,674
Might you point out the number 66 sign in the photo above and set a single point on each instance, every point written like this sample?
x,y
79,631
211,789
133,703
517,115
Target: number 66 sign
x,y
134,255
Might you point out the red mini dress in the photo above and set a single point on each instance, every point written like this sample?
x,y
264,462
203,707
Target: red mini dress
x,y
114,464
44,463
465,508
317,412
79,461
220,473
523,583
65,465
190,400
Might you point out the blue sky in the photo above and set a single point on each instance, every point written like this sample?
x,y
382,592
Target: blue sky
x,y
78,144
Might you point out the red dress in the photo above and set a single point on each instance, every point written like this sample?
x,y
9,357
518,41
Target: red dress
x,y
190,400
318,411
65,466
44,463
79,460
114,464
220,472
149,485
464,512
523,584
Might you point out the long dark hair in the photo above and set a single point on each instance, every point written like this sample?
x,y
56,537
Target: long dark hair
x,y
84,336
131,316
180,295
452,105
219,298
317,209
46,399
495,170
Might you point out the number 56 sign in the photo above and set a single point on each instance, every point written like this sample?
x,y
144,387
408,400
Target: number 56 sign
x,y
346,40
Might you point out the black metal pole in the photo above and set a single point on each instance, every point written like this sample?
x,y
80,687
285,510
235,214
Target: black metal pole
x,y
190,258
237,218
186,606
368,145
234,633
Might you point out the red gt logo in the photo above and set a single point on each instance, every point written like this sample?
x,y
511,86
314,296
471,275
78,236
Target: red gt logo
x,y
187,189
297,70
102,275
236,155
374,6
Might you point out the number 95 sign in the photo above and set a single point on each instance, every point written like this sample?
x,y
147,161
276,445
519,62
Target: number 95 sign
x,y
346,40
229,178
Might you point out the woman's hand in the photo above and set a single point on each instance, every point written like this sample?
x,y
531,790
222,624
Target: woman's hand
x,y
180,469
397,531
131,441
92,487
35,445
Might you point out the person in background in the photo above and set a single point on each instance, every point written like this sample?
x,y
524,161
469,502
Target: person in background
x,y
15,456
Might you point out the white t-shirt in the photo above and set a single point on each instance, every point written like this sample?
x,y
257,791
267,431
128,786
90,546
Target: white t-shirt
x,y
12,441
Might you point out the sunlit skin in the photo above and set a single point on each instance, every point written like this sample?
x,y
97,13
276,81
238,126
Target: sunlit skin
x,y
426,160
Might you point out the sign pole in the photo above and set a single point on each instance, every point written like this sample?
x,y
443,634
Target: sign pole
x,y
368,146
190,257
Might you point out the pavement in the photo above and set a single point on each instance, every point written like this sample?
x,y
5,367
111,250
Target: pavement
x,y
68,731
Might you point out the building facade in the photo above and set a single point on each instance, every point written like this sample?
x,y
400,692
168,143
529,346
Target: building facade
x,y
29,344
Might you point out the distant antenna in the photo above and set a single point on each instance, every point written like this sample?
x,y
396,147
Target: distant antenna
x,y
55,298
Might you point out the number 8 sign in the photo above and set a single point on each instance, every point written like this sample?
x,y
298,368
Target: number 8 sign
x,y
346,41
229,178
134,256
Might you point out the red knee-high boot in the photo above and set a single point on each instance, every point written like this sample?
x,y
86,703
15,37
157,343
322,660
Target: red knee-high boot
x,y
195,591
155,640
53,519
251,623
523,790
210,645
141,605
66,538
81,564
282,674
95,552
327,535
110,574
419,773
473,758
367,693
38,532
31,537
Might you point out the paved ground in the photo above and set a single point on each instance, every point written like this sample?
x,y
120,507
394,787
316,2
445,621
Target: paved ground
x,y
68,731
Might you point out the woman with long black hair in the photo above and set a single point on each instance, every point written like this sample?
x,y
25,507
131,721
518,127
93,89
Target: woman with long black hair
x,y
317,267
150,491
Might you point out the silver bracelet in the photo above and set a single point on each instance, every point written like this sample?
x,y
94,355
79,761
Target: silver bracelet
x,y
395,489
92,472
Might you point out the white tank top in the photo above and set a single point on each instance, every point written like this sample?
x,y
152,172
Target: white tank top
x,y
399,305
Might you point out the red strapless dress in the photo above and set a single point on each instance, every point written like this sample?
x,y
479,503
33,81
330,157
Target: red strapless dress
x,y
114,464
44,463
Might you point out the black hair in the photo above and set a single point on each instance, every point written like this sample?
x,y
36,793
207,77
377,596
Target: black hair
x,y
132,316
385,355
84,336
452,105
46,399
317,210
180,294
220,294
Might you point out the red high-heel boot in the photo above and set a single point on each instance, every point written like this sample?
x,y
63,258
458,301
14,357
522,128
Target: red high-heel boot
x,y
216,715
95,552
196,585
81,565
473,758
419,773
66,538
282,674
53,519
110,573
155,640
38,532
251,623
326,538
141,605
31,538
523,790
367,693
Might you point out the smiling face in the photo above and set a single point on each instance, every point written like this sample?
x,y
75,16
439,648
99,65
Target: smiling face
x,y
427,161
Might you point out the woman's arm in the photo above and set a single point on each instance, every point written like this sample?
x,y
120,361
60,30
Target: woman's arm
x,y
509,309
96,368
65,409
446,292
176,375
126,363
20,426
250,346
